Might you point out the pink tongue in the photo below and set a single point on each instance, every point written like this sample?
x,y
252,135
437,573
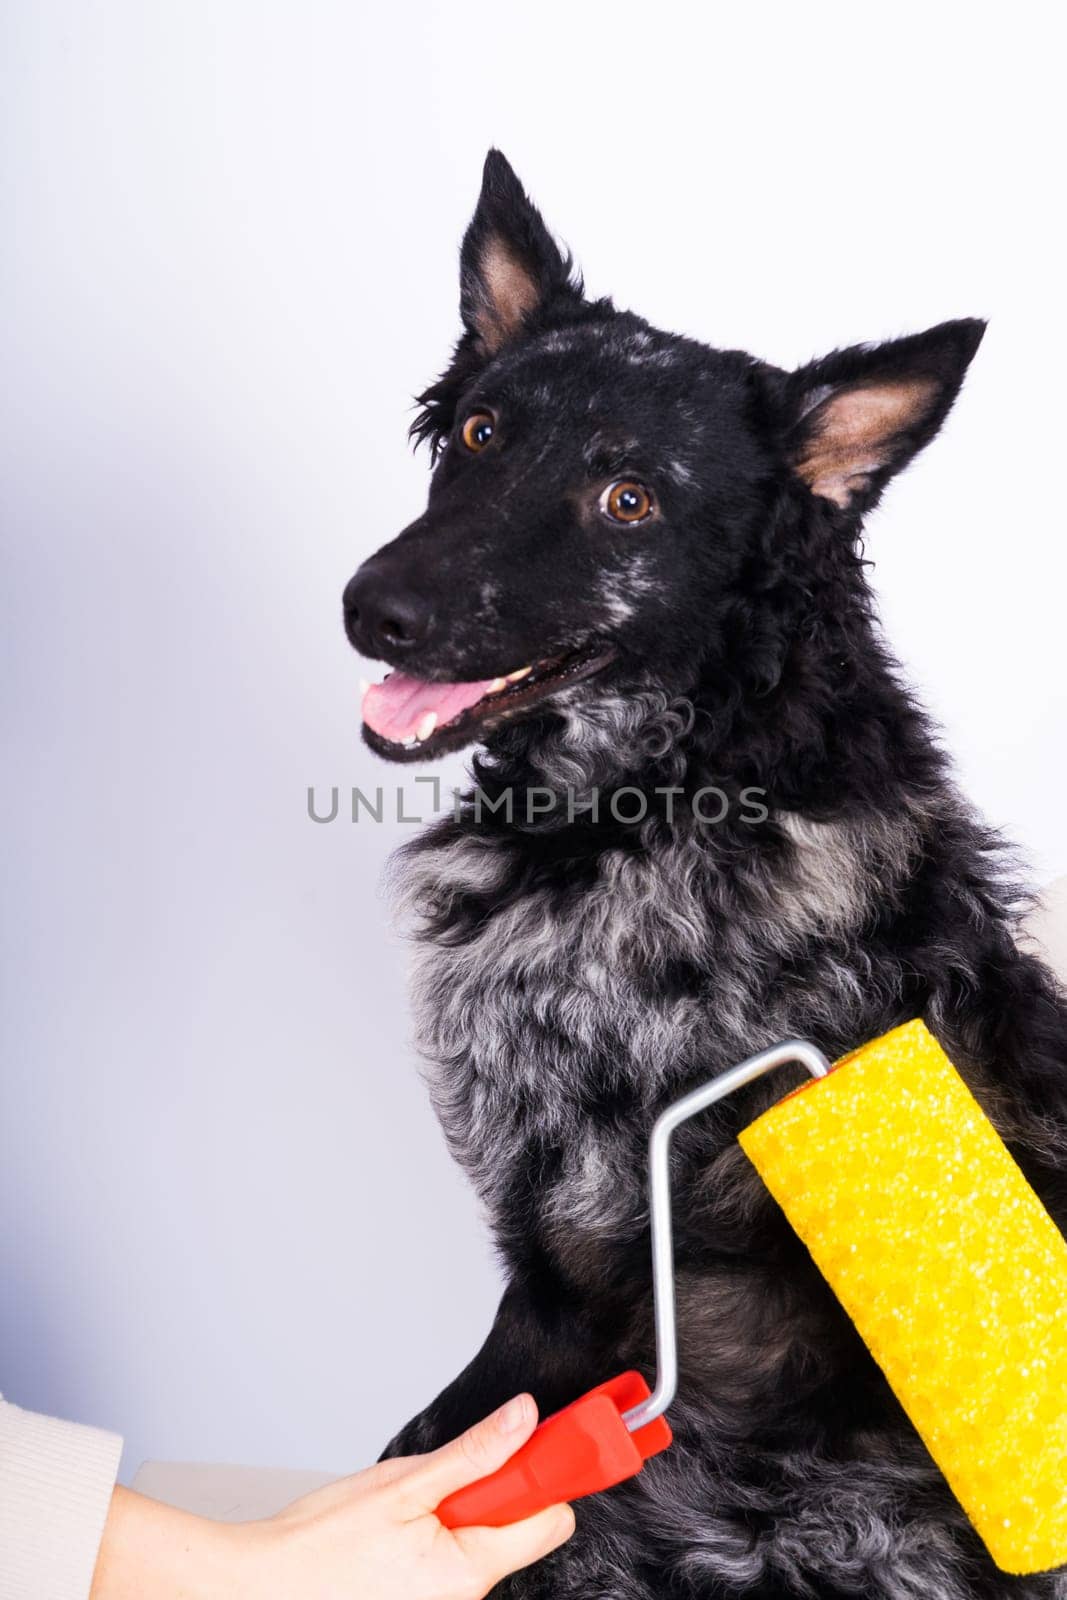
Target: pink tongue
x,y
394,709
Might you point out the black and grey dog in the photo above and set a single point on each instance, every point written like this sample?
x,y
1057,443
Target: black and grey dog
x,y
708,816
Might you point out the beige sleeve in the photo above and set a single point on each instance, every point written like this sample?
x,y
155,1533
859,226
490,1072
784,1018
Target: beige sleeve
x,y
56,1480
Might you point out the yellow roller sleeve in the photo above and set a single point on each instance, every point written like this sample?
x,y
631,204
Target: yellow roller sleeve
x,y
950,1267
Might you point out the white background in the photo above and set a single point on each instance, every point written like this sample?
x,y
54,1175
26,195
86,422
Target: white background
x,y
227,1224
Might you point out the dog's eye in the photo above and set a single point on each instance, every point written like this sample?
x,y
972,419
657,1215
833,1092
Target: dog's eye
x,y
626,502
478,430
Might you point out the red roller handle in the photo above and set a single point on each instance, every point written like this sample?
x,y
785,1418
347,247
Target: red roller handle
x,y
577,1451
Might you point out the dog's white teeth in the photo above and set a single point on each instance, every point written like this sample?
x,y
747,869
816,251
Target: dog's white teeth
x,y
409,741
426,725
364,685
496,686
523,672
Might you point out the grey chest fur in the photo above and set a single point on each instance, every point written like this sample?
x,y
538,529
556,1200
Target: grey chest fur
x,y
562,995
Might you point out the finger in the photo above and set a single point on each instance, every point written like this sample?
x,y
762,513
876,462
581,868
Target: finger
x,y
475,1454
494,1552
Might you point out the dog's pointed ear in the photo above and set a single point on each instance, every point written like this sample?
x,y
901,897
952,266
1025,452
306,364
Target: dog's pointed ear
x,y
510,266
853,419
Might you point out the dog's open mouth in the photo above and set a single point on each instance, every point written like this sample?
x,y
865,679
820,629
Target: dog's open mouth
x,y
408,718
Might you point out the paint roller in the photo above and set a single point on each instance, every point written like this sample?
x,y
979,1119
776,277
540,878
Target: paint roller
x,y
936,1246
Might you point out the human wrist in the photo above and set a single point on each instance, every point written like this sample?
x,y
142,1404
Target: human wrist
x,y
153,1552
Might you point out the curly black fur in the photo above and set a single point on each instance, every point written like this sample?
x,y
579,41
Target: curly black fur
x,y
577,973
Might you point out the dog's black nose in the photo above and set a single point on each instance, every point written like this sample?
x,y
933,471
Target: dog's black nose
x,y
381,616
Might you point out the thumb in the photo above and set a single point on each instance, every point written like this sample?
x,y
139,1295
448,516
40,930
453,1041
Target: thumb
x,y
475,1454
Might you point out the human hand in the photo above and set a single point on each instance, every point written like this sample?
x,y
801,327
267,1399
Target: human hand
x,y
376,1534
373,1536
